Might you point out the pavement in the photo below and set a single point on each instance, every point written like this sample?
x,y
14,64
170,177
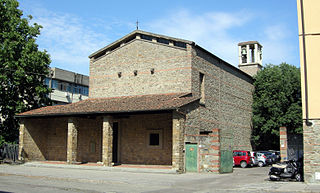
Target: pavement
x,y
48,177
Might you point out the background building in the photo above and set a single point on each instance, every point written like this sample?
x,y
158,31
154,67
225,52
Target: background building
x,y
309,38
68,87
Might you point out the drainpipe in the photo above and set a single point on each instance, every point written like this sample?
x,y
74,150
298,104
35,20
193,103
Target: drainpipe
x,y
308,123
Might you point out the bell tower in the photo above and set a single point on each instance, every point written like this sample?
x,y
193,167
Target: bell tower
x,y
250,57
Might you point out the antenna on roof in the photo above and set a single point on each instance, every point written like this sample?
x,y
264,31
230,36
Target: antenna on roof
x,y
137,24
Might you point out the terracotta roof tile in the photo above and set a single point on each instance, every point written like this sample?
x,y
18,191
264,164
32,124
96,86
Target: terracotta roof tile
x,y
116,105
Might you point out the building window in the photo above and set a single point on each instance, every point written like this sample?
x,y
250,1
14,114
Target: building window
x,y
146,37
154,138
201,88
54,84
205,132
62,86
180,44
163,41
47,82
69,87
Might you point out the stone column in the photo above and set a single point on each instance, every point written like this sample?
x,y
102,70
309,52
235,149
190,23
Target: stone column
x,y
72,143
283,144
107,135
256,58
248,54
21,140
240,54
177,142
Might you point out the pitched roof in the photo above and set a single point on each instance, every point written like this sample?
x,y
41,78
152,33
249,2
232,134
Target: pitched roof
x,y
133,34
141,103
248,42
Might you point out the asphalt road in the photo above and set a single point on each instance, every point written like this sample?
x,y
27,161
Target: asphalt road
x,y
21,178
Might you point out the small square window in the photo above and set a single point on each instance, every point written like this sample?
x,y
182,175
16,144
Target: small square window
x,y
154,139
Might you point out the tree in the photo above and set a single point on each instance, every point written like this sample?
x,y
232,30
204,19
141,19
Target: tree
x,y
23,68
276,103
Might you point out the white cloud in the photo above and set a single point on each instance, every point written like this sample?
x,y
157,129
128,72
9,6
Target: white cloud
x,y
210,30
68,40
220,32
277,47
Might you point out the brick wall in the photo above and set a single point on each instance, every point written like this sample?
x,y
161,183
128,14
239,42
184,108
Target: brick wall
x,y
35,139
89,139
171,66
226,110
134,147
45,139
56,139
311,143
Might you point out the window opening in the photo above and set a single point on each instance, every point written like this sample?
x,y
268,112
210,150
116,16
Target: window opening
x,y
201,88
154,139
205,132
146,37
180,44
163,41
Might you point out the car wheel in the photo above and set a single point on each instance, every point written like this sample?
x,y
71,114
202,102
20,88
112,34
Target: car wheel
x,y
260,164
243,164
298,177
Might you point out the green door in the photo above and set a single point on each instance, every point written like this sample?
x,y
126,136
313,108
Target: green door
x,y
226,161
226,154
191,157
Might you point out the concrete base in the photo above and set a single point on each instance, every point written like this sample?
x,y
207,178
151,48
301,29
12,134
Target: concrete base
x,y
137,169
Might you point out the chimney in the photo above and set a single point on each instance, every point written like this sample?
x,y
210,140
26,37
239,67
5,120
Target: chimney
x,y
250,57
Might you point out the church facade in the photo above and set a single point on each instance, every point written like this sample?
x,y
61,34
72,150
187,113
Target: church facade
x,y
153,100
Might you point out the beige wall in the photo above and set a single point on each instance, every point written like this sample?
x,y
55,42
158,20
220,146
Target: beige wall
x,y
45,139
311,131
172,67
134,133
312,30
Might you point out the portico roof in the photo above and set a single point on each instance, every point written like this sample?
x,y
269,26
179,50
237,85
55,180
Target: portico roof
x,y
112,105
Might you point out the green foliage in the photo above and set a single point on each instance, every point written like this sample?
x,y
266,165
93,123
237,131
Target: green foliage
x,y
23,68
276,103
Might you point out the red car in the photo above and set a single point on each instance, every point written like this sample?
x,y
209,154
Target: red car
x,y
242,158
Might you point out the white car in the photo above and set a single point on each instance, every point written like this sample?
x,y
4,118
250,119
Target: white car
x,y
263,160
254,158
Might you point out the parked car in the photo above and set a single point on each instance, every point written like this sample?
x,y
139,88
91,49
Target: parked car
x,y
269,154
254,158
276,155
263,159
242,158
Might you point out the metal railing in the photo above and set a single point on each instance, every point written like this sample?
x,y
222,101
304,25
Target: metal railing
x,y
9,153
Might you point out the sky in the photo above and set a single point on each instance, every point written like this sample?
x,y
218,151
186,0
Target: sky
x,y
74,29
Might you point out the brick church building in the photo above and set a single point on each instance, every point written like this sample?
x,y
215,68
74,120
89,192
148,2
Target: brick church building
x,y
153,100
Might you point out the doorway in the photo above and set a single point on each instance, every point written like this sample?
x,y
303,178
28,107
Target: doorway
x,y
115,136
